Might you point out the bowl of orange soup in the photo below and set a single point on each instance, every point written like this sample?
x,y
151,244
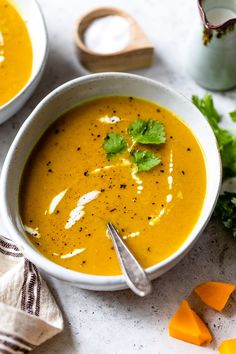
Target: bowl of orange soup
x,y
109,147
23,53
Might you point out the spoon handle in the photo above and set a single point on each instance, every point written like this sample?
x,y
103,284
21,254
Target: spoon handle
x,y
135,276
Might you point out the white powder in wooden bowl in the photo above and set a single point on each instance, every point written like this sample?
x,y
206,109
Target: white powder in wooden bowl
x,y
108,34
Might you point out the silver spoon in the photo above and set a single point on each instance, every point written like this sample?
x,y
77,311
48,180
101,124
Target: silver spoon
x,y
135,276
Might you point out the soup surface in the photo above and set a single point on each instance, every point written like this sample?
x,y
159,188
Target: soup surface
x,y
71,188
15,52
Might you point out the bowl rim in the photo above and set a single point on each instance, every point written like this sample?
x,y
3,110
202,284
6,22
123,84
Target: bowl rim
x,y
39,68
83,279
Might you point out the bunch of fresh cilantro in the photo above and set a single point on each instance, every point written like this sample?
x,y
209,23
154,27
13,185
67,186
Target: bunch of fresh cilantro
x,y
142,132
225,209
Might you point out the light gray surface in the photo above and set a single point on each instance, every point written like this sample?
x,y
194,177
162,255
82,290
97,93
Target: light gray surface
x,y
121,323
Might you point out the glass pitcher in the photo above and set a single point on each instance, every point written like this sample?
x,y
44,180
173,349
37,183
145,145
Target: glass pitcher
x,y
211,53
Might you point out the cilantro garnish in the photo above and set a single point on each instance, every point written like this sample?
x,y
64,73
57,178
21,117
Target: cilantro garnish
x,y
145,160
233,116
225,211
143,132
147,131
226,141
114,143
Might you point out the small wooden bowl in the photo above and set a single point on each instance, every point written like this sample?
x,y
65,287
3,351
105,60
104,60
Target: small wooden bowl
x,y
137,54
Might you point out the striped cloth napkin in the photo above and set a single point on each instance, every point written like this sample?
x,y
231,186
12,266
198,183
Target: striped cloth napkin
x,y
29,314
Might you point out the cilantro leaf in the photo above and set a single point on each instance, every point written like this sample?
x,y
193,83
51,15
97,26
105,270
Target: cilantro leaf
x,y
233,116
147,131
114,143
226,141
225,211
206,106
145,160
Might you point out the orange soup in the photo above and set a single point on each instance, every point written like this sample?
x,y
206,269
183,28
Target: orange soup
x,y
16,56
118,159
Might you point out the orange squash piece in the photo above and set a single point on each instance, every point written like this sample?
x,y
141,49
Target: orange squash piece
x,y
187,326
215,294
228,347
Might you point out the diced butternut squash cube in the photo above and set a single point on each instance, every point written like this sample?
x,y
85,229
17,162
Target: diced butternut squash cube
x,y
187,326
215,294
228,347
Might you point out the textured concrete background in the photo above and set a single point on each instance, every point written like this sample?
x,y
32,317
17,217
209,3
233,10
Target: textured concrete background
x,y
119,322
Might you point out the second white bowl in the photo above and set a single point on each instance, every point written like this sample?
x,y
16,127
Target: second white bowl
x,y
33,17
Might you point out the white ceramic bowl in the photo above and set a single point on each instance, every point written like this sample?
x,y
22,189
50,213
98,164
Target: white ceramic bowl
x,y
62,99
32,15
